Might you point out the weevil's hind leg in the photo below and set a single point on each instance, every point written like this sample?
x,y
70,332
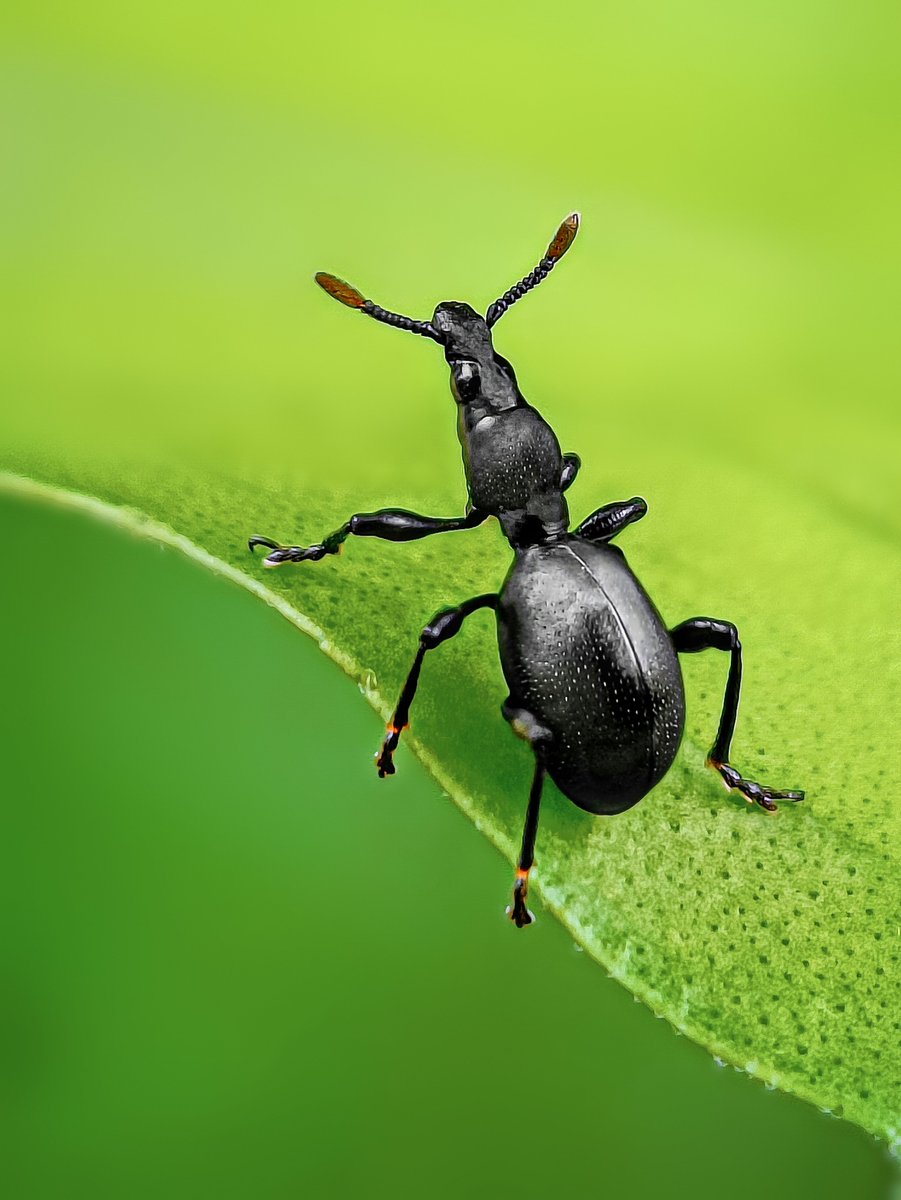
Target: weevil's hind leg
x,y
444,625
612,519
518,912
571,466
525,725
703,633
390,524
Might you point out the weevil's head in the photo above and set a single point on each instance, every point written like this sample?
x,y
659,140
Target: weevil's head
x,y
463,333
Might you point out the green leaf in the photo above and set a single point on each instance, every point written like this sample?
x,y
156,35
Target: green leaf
x,y
773,941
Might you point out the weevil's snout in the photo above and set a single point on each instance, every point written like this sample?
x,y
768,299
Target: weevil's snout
x,y
463,332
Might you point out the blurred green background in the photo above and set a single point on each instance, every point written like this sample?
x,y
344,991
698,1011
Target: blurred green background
x,y
724,327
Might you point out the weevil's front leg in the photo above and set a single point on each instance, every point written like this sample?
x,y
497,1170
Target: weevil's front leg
x,y
518,912
392,524
444,625
612,519
703,633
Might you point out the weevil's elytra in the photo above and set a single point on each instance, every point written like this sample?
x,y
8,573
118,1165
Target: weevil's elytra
x,y
594,676
615,732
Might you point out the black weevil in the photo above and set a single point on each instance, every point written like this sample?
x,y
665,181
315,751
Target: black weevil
x,y
593,672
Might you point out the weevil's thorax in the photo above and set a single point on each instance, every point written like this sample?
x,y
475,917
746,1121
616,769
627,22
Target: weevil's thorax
x,y
511,455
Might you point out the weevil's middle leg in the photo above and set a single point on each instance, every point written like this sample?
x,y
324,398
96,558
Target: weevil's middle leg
x,y
444,625
703,633
391,524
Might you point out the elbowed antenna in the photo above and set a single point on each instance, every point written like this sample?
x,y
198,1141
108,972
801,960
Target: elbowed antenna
x,y
353,299
562,241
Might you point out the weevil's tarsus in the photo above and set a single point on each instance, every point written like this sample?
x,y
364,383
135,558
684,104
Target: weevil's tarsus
x,y
704,633
284,554
519,912
253,542
560,243
753,792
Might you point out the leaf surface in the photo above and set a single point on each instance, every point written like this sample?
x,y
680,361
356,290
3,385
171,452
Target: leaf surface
x,y
773,941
